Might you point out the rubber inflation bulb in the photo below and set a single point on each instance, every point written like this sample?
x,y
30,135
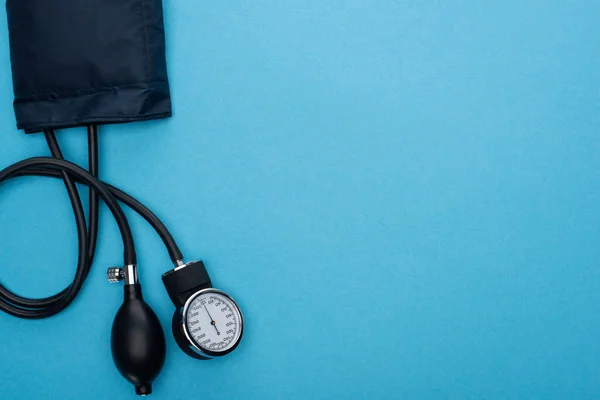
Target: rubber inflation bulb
x,y
138,341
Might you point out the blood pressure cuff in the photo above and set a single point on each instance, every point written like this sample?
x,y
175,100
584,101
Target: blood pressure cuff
x,y
77,62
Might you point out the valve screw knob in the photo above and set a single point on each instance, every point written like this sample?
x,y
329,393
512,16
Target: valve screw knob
x,y
115,274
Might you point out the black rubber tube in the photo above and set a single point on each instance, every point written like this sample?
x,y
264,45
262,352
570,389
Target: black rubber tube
x,y
70,173
94,206
42,308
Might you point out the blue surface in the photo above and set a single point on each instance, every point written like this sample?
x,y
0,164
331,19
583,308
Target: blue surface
x,y
403,196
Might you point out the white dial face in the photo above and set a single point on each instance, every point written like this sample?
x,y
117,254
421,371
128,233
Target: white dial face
x,y
214,322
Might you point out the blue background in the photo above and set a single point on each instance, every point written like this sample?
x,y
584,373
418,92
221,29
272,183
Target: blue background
x,y
404,197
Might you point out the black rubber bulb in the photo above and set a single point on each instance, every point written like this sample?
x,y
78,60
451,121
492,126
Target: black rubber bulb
x,y
137,341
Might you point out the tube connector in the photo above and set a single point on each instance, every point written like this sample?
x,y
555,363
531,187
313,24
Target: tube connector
x,y
131,274
128,274
115,274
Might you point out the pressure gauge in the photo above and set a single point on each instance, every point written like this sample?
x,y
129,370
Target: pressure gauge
x,y
212,323
208,323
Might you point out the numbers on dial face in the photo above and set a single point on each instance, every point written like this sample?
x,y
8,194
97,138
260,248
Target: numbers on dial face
x,y
213,322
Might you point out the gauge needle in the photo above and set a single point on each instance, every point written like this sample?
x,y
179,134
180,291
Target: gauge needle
x,y
212,321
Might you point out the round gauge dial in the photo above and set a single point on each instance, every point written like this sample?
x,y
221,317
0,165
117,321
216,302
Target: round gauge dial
x,y
213,322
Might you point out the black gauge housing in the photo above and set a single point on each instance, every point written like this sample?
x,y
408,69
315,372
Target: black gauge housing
x,y
182,282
